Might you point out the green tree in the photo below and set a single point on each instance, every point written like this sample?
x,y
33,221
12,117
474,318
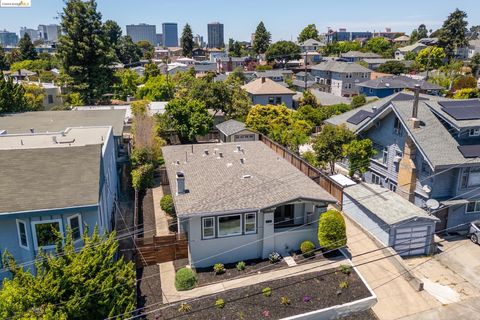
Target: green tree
x,y
431,57
127,51
378,45
147,49
189,118
12,96
414,36
262,118
359,153
262,39
3,60
328,144
332,233
309,32
346,46
34,95
422,31
86,283
464,82
469,93
27,49
186,41
126,84
113,32
235,49
453,33
393,67
293,134
475,65
156,89
308,99
84,50
283,50
237,76
151,70
410,56
358,101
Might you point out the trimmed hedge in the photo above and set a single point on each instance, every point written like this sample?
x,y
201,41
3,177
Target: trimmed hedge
x,y
185,279
166,203
332,233
307,248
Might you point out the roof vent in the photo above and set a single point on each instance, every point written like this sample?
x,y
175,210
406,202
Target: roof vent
x,y
205,152
220,155
215,151
239,148
374,109
177,163
242,160
32,130
246,176
180,182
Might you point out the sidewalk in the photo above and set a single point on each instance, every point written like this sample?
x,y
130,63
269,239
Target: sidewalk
x,y
161,219
167,275
396,297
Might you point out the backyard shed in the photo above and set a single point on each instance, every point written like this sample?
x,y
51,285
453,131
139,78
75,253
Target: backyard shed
x,y
393,220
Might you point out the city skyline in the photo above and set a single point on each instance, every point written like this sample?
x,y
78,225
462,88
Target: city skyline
x,y
355,16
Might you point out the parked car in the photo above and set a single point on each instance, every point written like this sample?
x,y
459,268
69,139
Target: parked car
x,y
474,232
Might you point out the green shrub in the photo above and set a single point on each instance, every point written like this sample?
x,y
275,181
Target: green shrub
x,y
267,292
219,304
167,205
284,301
219,268
307,247
241,266
358,101
143,177
332,232
343,285
185,279
346,269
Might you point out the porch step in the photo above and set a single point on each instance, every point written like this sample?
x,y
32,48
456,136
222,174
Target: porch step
x,y
290,261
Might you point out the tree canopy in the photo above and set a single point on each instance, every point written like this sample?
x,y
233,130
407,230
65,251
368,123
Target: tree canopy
x,y
378,45
431,57
12,96
359,153
328,144
393,67
262,39
127,51
309,32
186,41
27,49
157,88
453,33
283,51
3,59
112,31
126,82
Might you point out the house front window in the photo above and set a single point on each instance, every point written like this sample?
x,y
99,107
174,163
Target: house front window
x,y
22,234
473,207
208,228
229,225
470,177
376,179
46,233
75,224
250,223
284,216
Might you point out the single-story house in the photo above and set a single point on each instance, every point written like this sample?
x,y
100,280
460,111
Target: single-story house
x,y
390,218
386,86
311,45
402,40
240,201
415,48
354,56
235,131
264,91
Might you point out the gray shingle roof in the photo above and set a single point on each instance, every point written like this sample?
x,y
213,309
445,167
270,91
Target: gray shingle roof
x,y
385,204
230,127
38,179
359,54
216,185
43,121
340,66
398,82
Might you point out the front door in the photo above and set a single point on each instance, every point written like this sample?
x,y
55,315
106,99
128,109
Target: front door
x,y
284,216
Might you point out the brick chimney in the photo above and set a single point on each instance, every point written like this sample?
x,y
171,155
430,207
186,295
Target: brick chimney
x,y
414,122
263,79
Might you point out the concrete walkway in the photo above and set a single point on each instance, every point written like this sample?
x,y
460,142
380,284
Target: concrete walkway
x,y
396,297
161,218
167,275
467,309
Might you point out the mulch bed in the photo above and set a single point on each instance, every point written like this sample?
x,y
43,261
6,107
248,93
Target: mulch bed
x,y
321,288
318,256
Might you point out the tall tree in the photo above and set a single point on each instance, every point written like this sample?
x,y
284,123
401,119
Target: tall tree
x,y
422,31
147,49
186,41
3,60
378,45
127,51
359,153
453,33
27,49
309,32
431,57
283,51
12,96
126,84
262,39
89,283
112,31
84,50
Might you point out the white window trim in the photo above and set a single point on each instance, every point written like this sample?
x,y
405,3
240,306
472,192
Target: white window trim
x,y
255,223
34,232
26,234
80,225
474,211
213,227
232,234
476,132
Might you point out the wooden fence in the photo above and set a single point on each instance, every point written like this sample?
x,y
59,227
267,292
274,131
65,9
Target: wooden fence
x,y
155,250
327,183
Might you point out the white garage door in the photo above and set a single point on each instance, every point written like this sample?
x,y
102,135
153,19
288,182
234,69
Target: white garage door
x,y
411,241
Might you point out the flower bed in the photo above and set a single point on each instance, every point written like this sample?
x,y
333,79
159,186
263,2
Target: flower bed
x,y
288,297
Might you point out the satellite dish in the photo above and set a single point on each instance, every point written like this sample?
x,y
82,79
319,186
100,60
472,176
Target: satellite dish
x,y
432,204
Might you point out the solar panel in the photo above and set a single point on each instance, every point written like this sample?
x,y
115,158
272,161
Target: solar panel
x,y
470,151
462,109
359,117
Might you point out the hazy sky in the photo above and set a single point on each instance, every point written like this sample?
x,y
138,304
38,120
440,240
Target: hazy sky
x,y
284,19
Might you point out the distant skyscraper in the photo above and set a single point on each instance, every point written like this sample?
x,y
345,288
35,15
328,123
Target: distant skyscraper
x,y
31,32
159,37
8,38
198,40
49,33
170,34
215,35
142,31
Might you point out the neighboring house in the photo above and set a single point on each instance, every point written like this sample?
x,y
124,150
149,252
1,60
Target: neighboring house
x,y
340,78
235,131
60,180
386,86
199,54
402,41
139,70
265,91
20,75
311,45
354,56
428,41
391,219
240,201
415,48
427,148
473,48
228,64
299,81
153,108
186,61
374,63
205,67
278,75
312,57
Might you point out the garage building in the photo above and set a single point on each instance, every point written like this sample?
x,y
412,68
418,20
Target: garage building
x,y
393,220
235,131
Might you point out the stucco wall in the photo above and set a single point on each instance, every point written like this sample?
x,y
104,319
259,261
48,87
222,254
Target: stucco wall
x,y
287,99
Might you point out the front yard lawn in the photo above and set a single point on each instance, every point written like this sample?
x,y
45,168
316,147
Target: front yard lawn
x,y
285,297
